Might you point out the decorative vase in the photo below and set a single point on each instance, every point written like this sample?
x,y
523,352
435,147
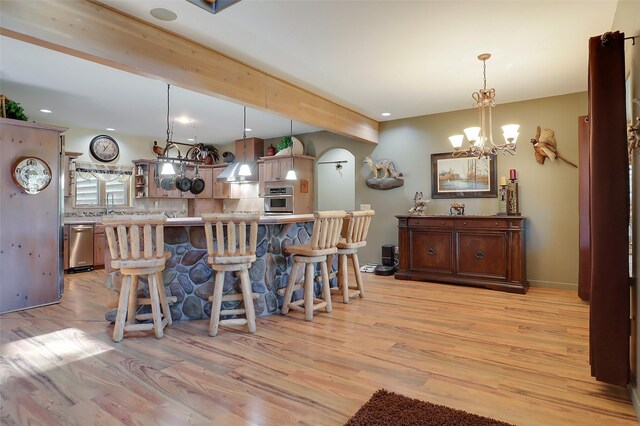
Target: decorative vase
x,y
271,150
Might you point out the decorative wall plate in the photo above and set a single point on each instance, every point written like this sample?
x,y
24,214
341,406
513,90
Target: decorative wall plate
x,y
31,174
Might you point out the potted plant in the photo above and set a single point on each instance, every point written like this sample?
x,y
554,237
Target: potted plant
x,y
11,109
207,153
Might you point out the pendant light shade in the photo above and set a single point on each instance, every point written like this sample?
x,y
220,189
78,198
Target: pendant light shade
x,y
167,169
291,174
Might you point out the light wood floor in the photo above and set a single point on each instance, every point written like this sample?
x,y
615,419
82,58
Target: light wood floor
x,y
518,358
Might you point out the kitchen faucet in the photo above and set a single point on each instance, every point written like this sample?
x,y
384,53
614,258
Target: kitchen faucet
x,y
106,207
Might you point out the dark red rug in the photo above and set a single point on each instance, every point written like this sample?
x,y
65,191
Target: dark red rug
x,y
390,409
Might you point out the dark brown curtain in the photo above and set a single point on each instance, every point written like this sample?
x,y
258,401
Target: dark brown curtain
x,y
584,269
609,210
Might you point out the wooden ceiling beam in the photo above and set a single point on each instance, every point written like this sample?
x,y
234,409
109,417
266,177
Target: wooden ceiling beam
x,y
95,32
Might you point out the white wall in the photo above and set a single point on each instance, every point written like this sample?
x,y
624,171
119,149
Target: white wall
x,y
336,188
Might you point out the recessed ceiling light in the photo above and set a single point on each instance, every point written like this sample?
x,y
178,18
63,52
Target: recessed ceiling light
x,y
191,140
184,120
247,129
163,14
385,114
46,111
110,129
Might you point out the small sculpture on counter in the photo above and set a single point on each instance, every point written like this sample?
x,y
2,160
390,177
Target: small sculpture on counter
x,y
390,178
456,209
545,146
420,205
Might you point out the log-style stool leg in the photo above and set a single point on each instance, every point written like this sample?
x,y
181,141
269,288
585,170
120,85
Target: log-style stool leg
x,y
121,315
288,294
343,282
216,303
132,310
247,298
163,298
308,291
326,290
358,274
155,306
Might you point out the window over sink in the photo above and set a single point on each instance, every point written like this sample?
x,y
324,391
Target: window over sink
x,y
97,183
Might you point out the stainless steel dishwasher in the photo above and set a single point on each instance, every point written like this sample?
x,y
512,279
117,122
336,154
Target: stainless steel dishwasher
x,y
80,248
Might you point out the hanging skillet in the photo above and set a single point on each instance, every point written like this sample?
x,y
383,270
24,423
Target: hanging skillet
x,y
197,183
183,183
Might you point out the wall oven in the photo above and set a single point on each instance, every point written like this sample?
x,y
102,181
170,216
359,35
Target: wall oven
x,y
278,200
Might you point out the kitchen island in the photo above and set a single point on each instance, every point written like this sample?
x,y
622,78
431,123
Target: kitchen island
x,y
189,278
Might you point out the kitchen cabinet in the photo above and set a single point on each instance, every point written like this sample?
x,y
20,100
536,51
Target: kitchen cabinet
x,y
221,189
273,173
99,246
483,251
276,168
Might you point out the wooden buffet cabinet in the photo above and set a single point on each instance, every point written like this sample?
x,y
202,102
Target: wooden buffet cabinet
x,y
483,251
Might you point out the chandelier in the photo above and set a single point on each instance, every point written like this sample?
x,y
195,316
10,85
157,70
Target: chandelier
x,y
480,139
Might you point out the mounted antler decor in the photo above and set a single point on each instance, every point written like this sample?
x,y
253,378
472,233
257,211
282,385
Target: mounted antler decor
x,y
545,146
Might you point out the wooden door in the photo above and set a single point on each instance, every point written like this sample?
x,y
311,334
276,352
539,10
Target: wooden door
x,y
207,175
271,170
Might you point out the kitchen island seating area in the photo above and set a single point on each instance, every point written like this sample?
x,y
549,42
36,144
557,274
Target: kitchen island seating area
x,y
236,256
324,239
136,254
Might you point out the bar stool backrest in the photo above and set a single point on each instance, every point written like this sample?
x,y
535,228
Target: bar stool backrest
x,y
358,226
235,226
124,238
326,229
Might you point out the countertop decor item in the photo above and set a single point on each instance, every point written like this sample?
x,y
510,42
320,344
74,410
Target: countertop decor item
x,y
456,209
31,174
271,151
480,139
104,148
545,146
419,205
389,177
464,177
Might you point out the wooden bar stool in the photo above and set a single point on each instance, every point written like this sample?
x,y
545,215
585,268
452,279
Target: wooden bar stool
x,y
326,233
136,254
354,235
236,258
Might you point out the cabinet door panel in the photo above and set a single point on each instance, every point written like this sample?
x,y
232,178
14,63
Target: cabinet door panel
x,y
430,251
482,254
99,243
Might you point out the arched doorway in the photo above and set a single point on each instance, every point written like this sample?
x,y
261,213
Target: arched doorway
x,y
336,180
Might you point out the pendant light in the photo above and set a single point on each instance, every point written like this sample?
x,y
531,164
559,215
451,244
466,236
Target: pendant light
x,y
167,168
291,174
245,170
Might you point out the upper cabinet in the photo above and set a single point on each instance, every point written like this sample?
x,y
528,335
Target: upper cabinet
x,y
276,168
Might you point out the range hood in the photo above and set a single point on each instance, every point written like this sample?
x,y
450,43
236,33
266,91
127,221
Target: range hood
x,y
250,150
230,173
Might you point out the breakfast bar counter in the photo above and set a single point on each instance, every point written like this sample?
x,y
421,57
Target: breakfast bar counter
x,y
189,278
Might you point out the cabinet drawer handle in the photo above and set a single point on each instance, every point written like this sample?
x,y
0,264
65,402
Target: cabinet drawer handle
x,y
431,251
480,254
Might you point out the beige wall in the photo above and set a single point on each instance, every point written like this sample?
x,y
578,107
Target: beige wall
x,y
627,20
548,193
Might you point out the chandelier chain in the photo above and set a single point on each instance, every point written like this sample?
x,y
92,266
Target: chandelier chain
x,y
168,104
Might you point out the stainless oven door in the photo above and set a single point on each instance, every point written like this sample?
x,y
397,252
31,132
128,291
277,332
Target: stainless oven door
x,y
279,204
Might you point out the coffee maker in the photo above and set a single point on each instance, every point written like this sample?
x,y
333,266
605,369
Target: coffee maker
x,y
388,266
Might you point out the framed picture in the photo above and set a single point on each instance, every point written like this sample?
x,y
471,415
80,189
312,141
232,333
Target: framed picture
x,y
463,177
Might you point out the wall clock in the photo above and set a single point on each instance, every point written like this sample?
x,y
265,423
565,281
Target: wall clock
x,y
104,148
31,174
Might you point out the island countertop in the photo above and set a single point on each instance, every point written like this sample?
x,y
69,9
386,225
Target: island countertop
x,y
195,221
